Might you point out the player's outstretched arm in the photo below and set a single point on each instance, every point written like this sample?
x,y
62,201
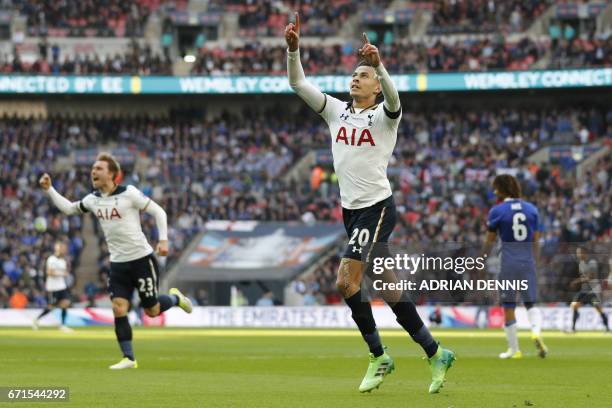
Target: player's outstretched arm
x,y
161,219
297,80
62,203
370,53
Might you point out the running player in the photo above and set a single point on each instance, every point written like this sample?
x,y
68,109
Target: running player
x,y
133,264
517,223
363,135
590,288
56,286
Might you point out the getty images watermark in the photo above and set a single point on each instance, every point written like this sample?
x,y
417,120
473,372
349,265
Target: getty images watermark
x,y
402,264
464,272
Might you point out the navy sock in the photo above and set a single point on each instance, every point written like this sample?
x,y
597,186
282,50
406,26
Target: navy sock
x,y
64,314
574,319
604,319
44,313
123,330
362,315
167,301
409,319
427,342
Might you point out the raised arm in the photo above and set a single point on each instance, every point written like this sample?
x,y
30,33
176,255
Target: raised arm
x,y
61,202
370,53
297,80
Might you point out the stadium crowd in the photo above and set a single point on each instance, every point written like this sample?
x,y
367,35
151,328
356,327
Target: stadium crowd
x,y
400,57
482,16
136,61
268,18
79,18
232,167
26,149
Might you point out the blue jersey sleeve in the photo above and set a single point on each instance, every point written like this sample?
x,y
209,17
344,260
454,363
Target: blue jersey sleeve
x,y
538,226
494,219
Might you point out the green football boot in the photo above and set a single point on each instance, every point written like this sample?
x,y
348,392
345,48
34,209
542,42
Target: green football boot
x,y
439,364
183,301
378,368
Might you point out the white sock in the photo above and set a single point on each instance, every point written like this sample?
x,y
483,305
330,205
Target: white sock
x,y
534,315
511,335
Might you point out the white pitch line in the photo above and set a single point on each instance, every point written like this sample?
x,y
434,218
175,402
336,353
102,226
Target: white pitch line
x,y
167,333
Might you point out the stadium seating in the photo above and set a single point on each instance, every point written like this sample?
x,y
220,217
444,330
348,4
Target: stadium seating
x,y
399,57
462,36
481,16
78,18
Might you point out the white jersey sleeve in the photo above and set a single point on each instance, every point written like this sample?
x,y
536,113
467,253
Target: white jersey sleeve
x,y
85,205
332,108
139,200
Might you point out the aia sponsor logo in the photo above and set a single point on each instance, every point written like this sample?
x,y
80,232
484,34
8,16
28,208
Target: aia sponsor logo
x,y
108,215
356,138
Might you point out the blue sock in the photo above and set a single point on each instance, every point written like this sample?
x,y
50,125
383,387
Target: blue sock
x,y
167,301
123,330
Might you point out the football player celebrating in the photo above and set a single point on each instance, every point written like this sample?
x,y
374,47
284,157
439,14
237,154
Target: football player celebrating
x,y
363,135
133,264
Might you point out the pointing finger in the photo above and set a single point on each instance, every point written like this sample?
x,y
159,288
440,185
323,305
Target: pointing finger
x,y
297,22
365,38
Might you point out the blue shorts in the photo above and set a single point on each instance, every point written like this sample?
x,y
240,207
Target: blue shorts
x,y
519,273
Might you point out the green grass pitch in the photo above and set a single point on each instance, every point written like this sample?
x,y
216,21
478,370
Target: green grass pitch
x,y
302,368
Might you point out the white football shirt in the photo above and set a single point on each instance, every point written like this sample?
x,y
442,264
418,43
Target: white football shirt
x,y
362,143
119,216
59,265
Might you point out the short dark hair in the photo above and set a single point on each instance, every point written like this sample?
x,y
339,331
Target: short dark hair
x,y
507,186
363,63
